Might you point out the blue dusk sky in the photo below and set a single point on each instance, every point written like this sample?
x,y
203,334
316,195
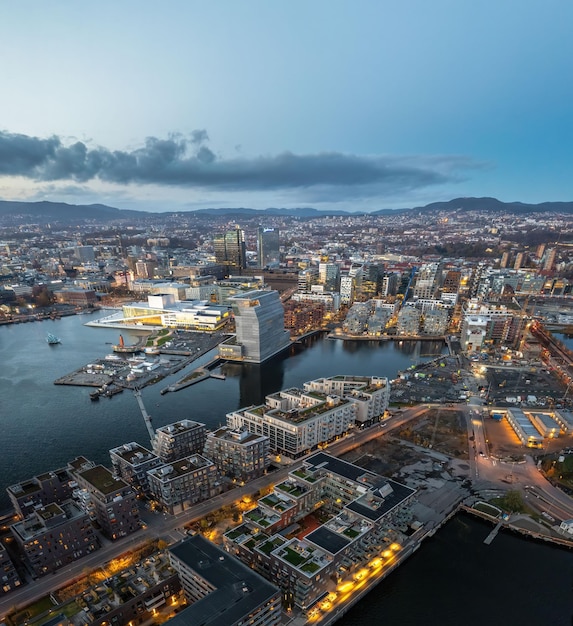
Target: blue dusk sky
x,y
355,105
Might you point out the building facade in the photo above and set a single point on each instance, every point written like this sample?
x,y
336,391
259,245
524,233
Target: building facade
x,y
178,440
238,453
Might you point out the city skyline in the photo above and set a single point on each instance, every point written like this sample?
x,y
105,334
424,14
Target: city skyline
x,y
329,105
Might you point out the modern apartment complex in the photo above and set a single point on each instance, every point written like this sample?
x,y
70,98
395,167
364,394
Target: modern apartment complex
x,y
55,535
361,507
297,421
109,501
179,485
221,590
131,462
238,453
180,439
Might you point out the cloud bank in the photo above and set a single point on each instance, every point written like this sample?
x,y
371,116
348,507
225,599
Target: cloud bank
x,y
187,161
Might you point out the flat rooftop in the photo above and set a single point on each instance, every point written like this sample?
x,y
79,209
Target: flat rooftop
x,y
238,589
102,479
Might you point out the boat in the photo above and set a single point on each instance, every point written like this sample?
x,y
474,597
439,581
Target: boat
x,y
52,339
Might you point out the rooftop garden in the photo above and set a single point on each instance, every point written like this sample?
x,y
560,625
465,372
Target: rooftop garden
x,y
292,489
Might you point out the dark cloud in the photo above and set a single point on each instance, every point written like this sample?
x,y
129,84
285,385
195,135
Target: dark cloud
x,y
188,162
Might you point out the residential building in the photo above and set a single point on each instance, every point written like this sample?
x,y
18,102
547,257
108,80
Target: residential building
x,y
435,322
178,440
221,590
296,421
371,394
362,504
179,485
55,535
131,462
109,501
408,321
9,578
55,486
238,453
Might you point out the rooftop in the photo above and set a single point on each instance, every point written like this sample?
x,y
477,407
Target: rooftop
x,y
238,589
102,479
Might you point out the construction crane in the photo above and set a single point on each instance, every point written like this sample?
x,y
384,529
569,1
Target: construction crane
x,y
146,416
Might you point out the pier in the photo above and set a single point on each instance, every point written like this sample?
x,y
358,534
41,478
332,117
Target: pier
x,y
492,534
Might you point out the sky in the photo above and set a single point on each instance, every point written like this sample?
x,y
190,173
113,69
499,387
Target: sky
x,y
351,105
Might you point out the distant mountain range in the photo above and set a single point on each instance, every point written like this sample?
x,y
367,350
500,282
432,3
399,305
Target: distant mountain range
x,y
61,212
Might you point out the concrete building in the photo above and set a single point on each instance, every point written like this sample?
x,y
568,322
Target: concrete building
x,y
238,453
131,462
260,329
178,440
55,486
435,322
295,421
330,300
179,485
109,501
221,590
408,321
55,535
329,276
371,394
361,504
9,578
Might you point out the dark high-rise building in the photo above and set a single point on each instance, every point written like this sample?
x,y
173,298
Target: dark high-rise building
x,y
230,250
268,247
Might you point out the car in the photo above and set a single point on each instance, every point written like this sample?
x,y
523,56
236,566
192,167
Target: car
x,y
481,453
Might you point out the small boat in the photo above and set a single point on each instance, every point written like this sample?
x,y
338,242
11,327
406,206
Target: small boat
x,y
52,339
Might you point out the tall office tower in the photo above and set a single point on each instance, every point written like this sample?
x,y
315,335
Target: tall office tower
x,y
259,319
549,263
268,247
329,274
230,250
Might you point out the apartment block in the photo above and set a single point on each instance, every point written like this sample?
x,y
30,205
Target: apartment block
x,y
55,535
179,485
238,453
178,440
131,462
109,501
371,394
221,590
9,578
26,496
296,422
362,505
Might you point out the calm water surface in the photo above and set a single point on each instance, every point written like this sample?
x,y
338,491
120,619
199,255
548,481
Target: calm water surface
x,y
43,425
454,579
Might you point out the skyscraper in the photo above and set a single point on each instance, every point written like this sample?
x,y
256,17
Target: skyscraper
x,y
230,250
268,247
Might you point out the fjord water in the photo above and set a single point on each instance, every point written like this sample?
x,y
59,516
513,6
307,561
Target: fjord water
x,y
453,579
43,426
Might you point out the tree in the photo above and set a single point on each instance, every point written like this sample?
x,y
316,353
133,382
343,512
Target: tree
x,y
513,501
